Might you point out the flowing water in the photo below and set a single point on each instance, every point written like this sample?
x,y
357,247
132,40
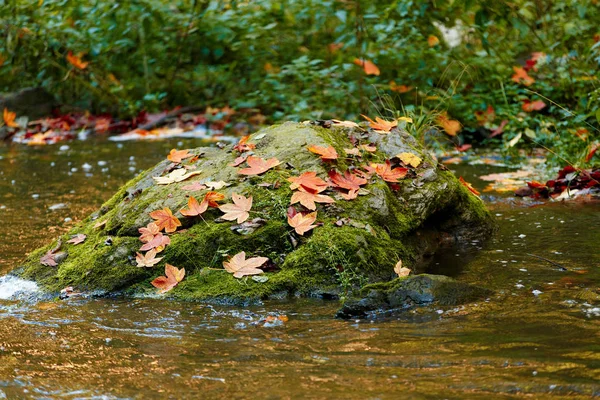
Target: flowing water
x,y
538,336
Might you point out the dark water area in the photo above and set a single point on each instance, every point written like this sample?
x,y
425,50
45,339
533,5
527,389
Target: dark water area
x,y
538,336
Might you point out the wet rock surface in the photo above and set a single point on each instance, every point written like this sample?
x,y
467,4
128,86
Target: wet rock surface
x,y
355,243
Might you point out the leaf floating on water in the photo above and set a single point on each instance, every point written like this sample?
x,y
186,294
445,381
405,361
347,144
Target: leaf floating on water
x,y
238,210
302,223
239,266
175,176
400,270
165,220
147,260
173,276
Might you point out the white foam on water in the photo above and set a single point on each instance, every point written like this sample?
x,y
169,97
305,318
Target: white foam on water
x,y
11,285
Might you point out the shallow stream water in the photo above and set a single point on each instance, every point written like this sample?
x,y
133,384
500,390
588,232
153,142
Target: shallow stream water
x,y
538,336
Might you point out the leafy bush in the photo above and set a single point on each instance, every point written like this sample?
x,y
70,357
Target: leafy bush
x,y
298,59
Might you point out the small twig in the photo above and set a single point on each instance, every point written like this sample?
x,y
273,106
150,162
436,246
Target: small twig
x,y
561,267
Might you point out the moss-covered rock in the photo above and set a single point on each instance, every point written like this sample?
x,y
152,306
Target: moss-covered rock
x,y
410,291
357,242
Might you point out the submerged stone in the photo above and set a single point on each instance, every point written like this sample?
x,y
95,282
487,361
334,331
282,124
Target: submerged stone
x,y
355,243
404,293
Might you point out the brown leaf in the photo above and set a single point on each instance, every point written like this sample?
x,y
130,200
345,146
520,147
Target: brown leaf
x,y
77,239
238,210
302,223
400,270
239,266
194,187
147,260
148,232
243,145
158,242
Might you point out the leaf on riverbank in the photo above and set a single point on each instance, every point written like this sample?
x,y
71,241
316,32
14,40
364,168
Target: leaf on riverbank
x,y
173,276
308,199
147,233
258,165
302,223
468,186
178,156
238,210
9,118
178,175
327,153
194,208
239,266
400,270
147,260
77,239
308,180
165,219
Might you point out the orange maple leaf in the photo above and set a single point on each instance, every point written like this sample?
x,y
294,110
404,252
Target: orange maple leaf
x,y
347,181
9,119
75,60
165,220
194,208
239,266
327,153
381,125
521,76
485,117
530,106
302,223
212,197
243,146
468,186
368,66
450,126
238,210
173,276
308,199
351,195
308,180
178,156
148,232
388,174
258,165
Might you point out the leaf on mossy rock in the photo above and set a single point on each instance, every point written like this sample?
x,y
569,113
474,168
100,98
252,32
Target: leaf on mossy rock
x,y
309,180
238,210
258,166
387,173
157,243
400,270
239,266
347,181
327,153
410,159
147,260
308,198
173,276
194,208
178,156
77,239
178,175
302,223
165,219
147,233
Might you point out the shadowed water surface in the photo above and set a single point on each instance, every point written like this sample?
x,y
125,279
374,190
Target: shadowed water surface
x,y
537,337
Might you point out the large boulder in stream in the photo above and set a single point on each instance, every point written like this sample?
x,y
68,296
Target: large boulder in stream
x,y
356,242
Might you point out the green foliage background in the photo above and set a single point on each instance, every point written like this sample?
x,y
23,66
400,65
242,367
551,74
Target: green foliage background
x,y
277,56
